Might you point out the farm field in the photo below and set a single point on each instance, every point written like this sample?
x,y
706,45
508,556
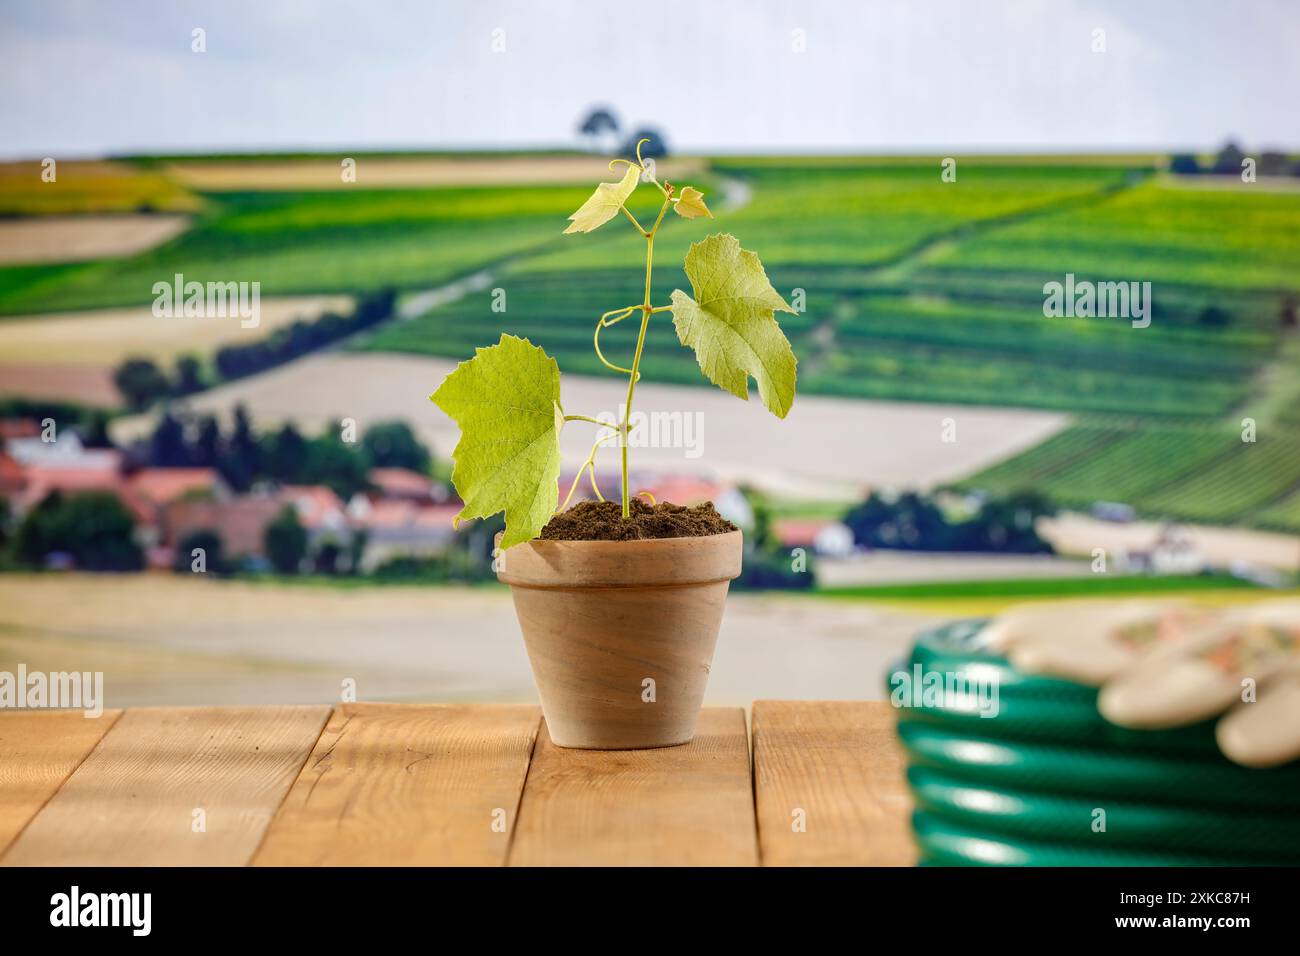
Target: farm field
x,y
83,188
912,289
308,243
167,639
827,449
73,238
859,241
1238,238
105,337
170,639
1196,473
277,174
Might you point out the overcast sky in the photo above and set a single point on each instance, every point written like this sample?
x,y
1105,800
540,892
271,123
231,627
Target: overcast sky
x,y
80,77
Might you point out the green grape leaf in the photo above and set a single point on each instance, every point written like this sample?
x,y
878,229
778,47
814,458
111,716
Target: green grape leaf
x,y
730,323
604,203
691,204
506,400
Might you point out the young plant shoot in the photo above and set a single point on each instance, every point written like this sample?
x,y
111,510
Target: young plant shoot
x,y
506,399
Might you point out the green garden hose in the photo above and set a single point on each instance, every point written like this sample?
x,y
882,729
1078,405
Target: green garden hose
x,y
1106,822
1212,781
944,843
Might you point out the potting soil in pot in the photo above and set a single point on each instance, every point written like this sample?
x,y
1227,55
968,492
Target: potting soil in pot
x,y
604,521
1025,785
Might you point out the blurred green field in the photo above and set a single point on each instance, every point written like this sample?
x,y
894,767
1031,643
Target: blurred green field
x,y
1199,473
915,289
1213,239
303,242
89,187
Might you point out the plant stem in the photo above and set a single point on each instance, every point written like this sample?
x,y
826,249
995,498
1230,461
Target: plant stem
x,y
588,466
646,311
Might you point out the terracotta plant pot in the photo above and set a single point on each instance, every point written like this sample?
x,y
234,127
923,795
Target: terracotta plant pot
x,y
621,633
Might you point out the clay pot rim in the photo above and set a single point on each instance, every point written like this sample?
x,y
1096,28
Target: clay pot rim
x,y
579,565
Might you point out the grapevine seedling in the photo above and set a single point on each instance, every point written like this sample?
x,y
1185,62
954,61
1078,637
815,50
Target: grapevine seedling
x,y
506,399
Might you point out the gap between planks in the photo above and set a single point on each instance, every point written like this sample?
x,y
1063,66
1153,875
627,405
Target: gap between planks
x,y
173,786
39,750
407,785
675,806
357,790
829,784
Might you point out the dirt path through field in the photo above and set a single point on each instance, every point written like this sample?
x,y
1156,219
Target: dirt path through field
x,y
76,238
104,337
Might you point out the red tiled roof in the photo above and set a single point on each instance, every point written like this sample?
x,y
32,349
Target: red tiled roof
x,y
392,515
18,428
388,514
41,481
71,479
315,504
401,482
799,532
165,485
439,516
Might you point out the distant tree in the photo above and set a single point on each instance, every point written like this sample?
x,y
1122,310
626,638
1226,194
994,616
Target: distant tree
x,y
242,461
1273,163
140,382
235,361
330,461
207,451
95,528
761,535
6,519
599,122
394,445
285,542
94,432
213,556
329,557
911,521
1184,164
1228,161
373,308
767,565
284,454
657,147
189,376
1008,524
1214,316
167,445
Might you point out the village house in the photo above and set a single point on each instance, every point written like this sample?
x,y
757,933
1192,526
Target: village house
x,y
397,528
826,537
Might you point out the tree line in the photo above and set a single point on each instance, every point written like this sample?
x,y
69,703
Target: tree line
x,y
142,382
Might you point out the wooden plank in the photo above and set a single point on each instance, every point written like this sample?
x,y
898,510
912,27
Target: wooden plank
x,y
687,805
132,802
38,750
407,785
840,764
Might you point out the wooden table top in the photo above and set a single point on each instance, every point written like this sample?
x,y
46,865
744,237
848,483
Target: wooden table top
x,y
415,784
